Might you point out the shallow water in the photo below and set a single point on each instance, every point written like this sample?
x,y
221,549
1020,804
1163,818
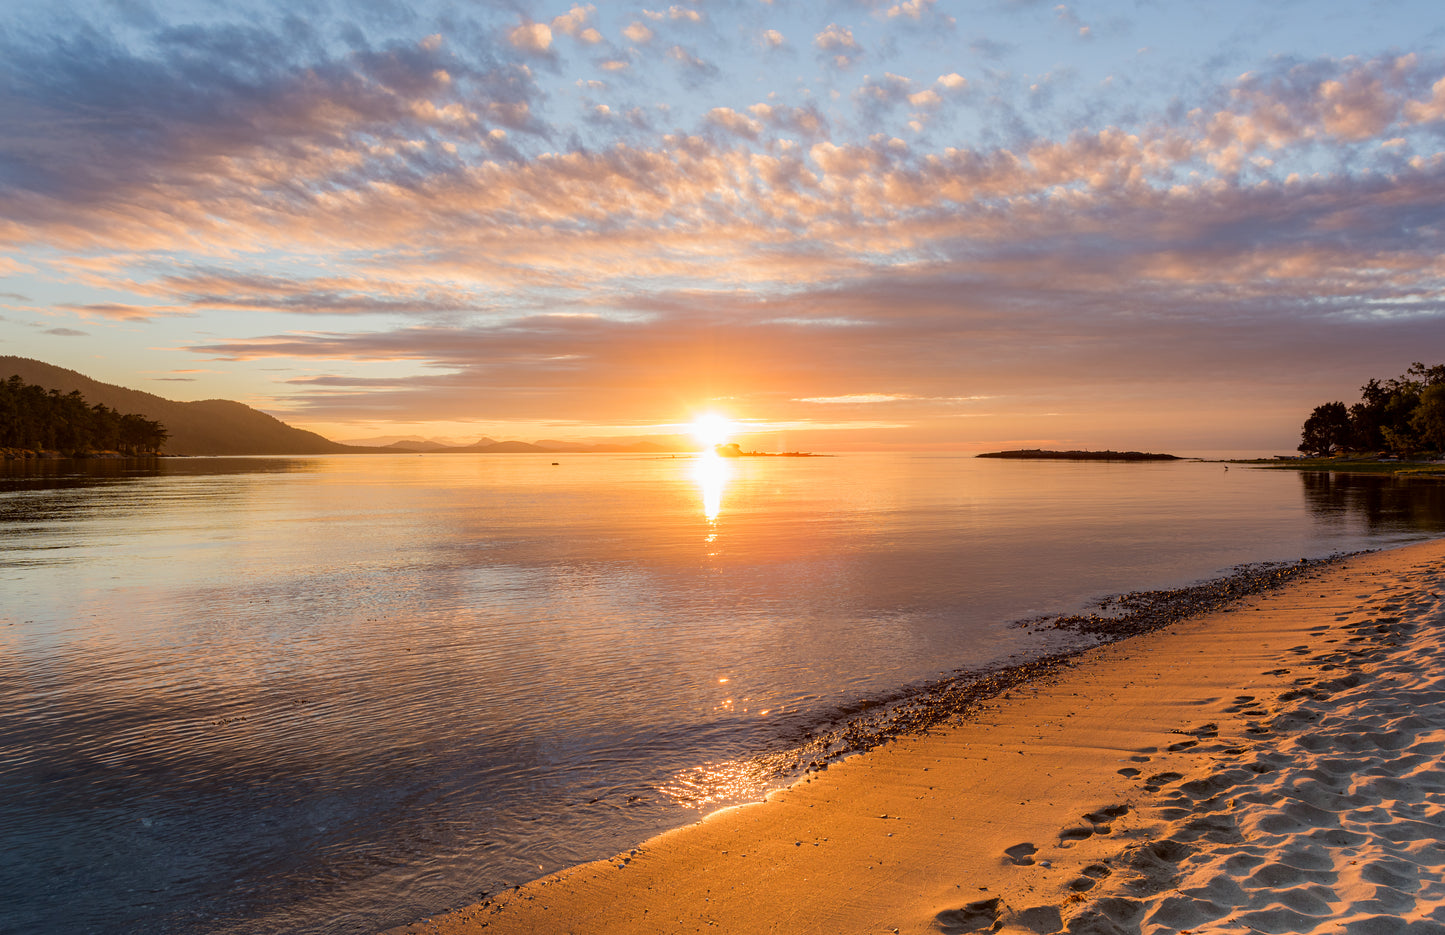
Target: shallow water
x,y
338,694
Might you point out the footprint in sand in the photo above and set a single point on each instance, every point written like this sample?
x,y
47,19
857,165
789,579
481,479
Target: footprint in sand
x,y
1021,855
1155,866
1102,819
975,917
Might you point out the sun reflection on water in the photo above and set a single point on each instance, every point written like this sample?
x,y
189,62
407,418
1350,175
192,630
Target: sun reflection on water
x,y
712,474
725,782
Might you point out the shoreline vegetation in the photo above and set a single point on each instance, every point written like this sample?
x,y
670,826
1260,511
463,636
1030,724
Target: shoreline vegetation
x,y
1350,464
36,422
83,454
1038,454
1290,784
1403,417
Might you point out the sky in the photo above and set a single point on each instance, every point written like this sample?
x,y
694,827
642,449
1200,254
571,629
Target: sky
x,y
912,224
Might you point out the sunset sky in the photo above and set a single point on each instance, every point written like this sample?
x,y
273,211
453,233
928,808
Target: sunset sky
x,y
1167,225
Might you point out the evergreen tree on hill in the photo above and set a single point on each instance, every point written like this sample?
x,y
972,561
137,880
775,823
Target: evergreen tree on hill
x,y
35,419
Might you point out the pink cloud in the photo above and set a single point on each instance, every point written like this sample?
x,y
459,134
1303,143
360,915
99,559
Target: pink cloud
x,y
838,44
535,38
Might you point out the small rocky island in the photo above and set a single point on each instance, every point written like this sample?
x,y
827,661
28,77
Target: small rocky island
x,y
734,450
1038,454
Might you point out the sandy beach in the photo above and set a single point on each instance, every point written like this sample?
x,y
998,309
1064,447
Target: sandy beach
x,y
1278,766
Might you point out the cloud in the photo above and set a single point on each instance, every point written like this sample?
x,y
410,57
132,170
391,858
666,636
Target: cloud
x,y
946,335
66,332
919,13
576,23
735,123
675,14
535,38
683,205
838,44
634,117
276,134
1070,19
807,122
221,289
117,311
1428,111
1348,100
855,398
695,68
638,33
911,9
413,199
890,89
772,39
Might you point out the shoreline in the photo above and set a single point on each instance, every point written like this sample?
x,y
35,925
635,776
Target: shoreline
x,y
1130,785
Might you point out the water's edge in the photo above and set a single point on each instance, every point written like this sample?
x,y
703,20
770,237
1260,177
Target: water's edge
x,y
918,708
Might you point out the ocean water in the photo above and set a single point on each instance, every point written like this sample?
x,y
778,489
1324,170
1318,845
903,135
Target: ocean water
x,y
337,694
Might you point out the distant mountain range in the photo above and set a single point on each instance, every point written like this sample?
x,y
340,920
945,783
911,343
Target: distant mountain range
x,y
415,442
492,446
226,427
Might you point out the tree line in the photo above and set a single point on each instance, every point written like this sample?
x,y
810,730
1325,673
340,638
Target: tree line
x,y
37,419
1402,416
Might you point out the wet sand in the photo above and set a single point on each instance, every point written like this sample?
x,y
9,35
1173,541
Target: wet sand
x,y
1278,766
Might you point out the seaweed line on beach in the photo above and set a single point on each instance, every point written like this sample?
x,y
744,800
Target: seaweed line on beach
x,y
1125,615
874,721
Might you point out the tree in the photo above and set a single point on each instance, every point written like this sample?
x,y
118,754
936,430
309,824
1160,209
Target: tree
x,y
1367,417
1326,431
36,419
1429,417
1403,415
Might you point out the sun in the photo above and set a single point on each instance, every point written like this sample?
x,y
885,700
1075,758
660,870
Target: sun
x,y
712,429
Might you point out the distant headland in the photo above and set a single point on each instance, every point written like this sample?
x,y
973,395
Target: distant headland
x,y
1038,454
227,427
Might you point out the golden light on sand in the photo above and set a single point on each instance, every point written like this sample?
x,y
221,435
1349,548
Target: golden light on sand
x,y
712,429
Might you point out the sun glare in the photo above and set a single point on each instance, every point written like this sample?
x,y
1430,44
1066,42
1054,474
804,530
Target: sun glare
x,y
711,429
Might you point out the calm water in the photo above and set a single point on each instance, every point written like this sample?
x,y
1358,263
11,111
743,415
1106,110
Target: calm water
x,y
339,694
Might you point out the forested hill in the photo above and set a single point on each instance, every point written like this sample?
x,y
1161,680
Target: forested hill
x,y
205,427
34,420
